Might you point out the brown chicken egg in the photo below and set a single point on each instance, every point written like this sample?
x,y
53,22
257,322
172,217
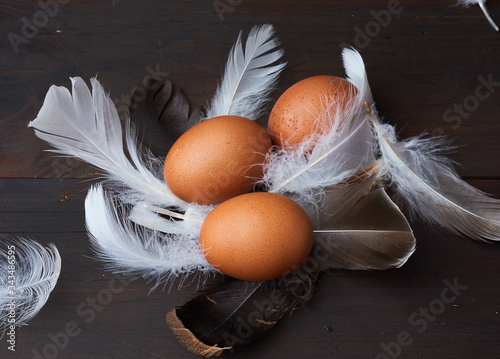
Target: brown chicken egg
x,y
257,236
299,111
217,159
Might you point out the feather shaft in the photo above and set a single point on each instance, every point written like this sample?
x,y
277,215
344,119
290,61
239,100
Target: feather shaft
x,y
487,14
482,5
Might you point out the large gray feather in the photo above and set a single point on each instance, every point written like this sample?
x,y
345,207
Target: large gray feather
x,y
373,234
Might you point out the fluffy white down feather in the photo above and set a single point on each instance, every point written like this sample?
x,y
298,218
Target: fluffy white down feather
x,y
342,152
135,250
36,271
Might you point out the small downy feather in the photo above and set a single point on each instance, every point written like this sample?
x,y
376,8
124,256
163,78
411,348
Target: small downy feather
x,y
249,76
482,5
135,250
36,271
426,179
344,151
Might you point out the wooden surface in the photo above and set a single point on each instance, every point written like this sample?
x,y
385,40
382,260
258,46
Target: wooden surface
x,y
425,61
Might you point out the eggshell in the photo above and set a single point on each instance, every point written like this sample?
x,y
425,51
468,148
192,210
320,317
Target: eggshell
x,y
217,159
297,114
257,236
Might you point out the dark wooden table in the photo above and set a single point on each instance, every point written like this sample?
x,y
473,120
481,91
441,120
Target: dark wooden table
x,y
425,60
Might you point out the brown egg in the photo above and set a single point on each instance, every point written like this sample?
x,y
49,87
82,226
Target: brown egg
x,y
217,159
295,114
257,236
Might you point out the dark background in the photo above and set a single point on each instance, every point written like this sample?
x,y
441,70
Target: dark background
x,y
422,63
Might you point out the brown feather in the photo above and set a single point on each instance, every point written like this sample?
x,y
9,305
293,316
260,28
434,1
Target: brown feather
x,y
373,234
237,312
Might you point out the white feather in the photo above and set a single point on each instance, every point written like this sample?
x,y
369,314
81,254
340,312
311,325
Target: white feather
x,y
153,217
249,76
36,270
343,151
468,3
482,5
134,250
426,180
87,126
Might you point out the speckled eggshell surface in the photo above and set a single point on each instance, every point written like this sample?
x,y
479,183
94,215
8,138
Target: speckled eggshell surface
x,y
217,159
257,236
299,111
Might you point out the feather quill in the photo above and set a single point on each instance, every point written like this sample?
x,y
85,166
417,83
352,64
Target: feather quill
x,y
342,152
36,271
426,180
135,250
249,76
482,5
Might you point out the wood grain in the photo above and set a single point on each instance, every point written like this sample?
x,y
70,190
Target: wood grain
x,y
428,60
